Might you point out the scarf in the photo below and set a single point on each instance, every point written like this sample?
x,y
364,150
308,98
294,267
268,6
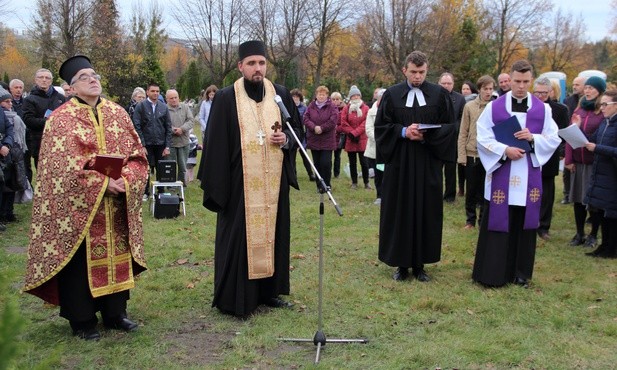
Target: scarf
x,y
354,106
588,104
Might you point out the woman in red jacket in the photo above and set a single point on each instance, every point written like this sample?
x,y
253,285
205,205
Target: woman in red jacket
x,y
580,161
353,120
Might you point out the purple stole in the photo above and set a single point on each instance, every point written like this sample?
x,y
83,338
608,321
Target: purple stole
x,y
500,184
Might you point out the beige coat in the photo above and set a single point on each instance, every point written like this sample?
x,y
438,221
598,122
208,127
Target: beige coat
x,y
181,117
467,143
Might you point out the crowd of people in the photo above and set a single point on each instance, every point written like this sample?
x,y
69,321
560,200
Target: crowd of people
x,y
413,137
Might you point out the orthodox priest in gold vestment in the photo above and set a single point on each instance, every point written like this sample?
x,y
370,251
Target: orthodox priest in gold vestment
x,y
247,168
86,239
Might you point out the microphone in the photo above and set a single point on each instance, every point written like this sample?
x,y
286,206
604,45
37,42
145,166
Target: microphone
x,y
282,107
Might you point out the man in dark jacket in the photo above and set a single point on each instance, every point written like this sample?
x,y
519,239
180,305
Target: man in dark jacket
x,y
542,90
571,102
153,124
446,80
16,88
37,107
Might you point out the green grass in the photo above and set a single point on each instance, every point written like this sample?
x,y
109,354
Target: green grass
x,y
566,320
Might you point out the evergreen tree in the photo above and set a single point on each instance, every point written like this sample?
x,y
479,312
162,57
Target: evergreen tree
x,y
151,64
189,84
109,53
5,78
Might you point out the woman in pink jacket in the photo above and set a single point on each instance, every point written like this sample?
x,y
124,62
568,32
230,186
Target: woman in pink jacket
x,y
353,120
320,120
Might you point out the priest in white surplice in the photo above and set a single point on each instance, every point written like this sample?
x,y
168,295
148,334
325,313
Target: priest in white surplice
x,y
513,187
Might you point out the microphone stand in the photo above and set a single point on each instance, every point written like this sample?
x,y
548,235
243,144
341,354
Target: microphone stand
x,y
319,339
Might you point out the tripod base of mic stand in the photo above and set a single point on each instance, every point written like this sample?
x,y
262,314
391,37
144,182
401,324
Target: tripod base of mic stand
x,y
320,340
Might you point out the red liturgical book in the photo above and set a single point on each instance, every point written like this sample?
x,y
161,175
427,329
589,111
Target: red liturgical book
x,y
109,165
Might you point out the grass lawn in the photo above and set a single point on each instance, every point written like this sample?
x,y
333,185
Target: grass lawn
x,y
567,319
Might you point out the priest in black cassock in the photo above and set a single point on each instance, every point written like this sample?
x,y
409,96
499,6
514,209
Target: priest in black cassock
x,y
411,218
248,166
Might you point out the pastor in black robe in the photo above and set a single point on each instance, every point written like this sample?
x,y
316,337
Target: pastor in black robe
x,y
223,186
410,225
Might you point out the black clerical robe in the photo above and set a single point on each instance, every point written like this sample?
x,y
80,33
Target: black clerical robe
x,y
411,217
223,186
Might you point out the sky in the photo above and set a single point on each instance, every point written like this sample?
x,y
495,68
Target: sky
x,y
596,14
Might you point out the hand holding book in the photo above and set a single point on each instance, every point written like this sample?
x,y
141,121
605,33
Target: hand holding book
x,y
109,165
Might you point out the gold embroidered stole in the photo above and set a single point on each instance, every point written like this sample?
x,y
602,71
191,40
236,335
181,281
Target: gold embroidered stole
x,y
262,165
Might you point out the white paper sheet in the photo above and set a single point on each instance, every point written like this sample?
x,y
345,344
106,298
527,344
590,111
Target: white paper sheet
x,y
573,136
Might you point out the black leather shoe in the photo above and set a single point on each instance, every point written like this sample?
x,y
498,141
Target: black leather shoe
x,y
521,282
122,324
600,252
88,334
421,275
590,242
578,239
276,302
401,274
543,235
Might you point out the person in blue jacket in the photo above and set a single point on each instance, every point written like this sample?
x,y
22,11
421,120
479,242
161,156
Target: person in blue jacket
x,y
601,192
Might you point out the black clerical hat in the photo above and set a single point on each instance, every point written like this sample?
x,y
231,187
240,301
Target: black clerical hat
x,y
71,66
253,47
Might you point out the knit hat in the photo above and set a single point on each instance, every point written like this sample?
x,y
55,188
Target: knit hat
x,y
5,94
597,82
354,91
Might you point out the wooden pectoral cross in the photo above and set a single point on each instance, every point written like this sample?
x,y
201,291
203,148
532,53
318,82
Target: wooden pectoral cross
x,y
276,126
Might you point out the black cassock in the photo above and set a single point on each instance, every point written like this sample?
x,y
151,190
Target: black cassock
x,y
223,186
412,198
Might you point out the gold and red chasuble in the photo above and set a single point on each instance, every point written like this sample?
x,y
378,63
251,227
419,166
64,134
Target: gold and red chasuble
x,y
262,167
70,205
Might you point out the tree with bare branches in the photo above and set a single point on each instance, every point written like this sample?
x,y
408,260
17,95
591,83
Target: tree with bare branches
x,y
283,26
398,28
61,27
562,43
517,26
214,28
325,18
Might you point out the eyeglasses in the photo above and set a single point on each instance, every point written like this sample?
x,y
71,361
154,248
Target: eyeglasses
x,y
84,77
604,105
43,77
544,93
